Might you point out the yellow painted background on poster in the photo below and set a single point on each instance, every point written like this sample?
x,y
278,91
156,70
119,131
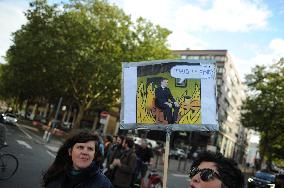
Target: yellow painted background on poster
x,y
187,97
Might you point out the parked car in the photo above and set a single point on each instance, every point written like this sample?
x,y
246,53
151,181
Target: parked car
x,y
138,140
178,153
10,118
1,117
181,154
261,179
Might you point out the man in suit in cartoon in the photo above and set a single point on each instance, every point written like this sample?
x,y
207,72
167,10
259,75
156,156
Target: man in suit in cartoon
x,y
165,101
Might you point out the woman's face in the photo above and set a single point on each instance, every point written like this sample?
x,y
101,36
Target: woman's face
x,y
82,154
214,182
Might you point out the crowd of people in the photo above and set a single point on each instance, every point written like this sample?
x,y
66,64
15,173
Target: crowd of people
x,y
86,160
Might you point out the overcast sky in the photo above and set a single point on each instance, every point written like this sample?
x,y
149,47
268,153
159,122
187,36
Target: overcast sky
x,y
251,30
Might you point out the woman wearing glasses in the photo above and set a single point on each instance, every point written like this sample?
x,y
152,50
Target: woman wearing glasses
x,y
212,170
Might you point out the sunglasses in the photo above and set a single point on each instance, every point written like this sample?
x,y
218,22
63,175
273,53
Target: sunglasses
x,y
206,174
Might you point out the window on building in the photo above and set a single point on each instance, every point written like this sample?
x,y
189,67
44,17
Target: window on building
x,y
219,81
230,130
220,70
230,119
229,93
227,102
234,99
219,93
220,58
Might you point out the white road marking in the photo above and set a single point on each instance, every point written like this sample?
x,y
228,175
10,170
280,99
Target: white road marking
x,y
52,148
51,154
180,175
29,136
28,127
21,142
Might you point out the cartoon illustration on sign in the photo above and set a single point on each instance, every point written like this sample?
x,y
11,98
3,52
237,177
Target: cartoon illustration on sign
x,y
170,94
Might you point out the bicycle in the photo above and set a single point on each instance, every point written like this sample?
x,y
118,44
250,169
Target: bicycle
x,y
8,164
154,179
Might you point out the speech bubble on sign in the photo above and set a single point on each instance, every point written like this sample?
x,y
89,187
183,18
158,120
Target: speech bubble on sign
x,y
192,72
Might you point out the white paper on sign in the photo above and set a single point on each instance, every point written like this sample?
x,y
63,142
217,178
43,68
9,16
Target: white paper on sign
x,y
192,72
130,85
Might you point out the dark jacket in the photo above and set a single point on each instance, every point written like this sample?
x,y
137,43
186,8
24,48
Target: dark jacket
x,y
115,153
162,96
123,175
88,178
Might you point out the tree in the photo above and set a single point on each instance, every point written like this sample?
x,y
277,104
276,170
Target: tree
x,y
264,108
29,59
76,52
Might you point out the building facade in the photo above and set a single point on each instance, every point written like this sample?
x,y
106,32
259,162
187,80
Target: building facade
x,y
231,139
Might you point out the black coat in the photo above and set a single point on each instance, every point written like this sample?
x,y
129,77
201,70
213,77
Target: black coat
x,y
162,96
90,178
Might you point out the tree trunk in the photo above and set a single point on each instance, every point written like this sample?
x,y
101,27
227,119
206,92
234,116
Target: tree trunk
x,y
82,108
27,108
266,147
269,161
79,117
95,123
269,157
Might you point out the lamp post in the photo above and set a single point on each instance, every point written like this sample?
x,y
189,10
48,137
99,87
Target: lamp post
x,y
47,133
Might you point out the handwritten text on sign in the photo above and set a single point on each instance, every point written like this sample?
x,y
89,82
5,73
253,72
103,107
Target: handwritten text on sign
x,y
192,72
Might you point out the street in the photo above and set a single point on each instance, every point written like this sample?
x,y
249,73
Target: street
x,y
34,156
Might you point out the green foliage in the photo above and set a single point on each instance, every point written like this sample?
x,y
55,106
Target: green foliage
x,y
264,108
75,51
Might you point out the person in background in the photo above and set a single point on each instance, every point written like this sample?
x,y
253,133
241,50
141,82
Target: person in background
x,y
100,153
107,146
114,153
114,139
145,155
75,165
3,135
279,180
212,170
125,165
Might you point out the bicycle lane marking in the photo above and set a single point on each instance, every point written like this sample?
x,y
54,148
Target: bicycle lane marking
x,y
27,134
51,154
54,149
181,176
30,135
21,142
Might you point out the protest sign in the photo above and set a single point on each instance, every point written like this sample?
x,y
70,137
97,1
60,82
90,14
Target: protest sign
x,y
176,93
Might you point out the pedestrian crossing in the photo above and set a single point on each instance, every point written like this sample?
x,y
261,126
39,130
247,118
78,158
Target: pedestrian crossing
x,y
25,144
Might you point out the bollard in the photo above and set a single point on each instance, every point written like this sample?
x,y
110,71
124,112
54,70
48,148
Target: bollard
x,y
185,164
45,135
157,161
179,162
48,136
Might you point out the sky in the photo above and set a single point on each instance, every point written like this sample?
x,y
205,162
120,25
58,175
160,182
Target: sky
x,y
251,30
